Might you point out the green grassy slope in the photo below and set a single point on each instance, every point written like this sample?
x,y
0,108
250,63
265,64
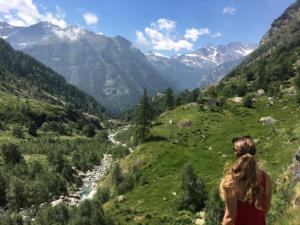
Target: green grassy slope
x,y
207,145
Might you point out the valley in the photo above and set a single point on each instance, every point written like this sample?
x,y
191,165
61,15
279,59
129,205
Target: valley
x,y
98,130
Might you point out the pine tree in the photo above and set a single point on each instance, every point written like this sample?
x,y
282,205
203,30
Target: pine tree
x,y
214,208
17,132
32,129
143,118
116,175
248,102
194,190
89,131
169,98
11,154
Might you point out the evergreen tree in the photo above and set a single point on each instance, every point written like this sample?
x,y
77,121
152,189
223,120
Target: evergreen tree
x,y
201,101
194,190
3,185
214,208
143,118
297,81
17,132
248,102
169,98
32,129
89,131
116,175
16,194
11,155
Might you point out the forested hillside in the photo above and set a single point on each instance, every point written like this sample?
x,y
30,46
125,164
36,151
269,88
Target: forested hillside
x,y
51,134
24,76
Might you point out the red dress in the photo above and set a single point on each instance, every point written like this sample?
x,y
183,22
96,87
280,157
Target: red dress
x,y
248,214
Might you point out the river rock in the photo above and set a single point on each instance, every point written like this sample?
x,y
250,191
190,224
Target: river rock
x,y
267,120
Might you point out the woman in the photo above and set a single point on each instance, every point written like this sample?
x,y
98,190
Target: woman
x,y
245,189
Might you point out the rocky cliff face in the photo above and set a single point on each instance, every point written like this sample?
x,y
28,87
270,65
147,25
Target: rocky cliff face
x,y
285,25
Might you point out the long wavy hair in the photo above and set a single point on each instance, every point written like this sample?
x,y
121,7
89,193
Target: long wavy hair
x,y
242,173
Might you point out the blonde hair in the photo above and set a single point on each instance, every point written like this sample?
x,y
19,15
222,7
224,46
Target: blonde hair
x,y
243,171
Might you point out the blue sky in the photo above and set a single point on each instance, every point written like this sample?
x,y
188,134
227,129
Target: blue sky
x,y
165,26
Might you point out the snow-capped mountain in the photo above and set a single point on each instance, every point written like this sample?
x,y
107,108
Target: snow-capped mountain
x,y
211,56
110,69
203,66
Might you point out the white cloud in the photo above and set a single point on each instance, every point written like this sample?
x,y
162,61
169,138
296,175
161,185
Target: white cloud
x,y
70,33
164,24
216,35
229,10
25,12
194,33
141,40
164,41
161,35
90,18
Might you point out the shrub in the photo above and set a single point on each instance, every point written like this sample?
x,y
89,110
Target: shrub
x,y
126,185
88,131
17,132
116,175
214,208
119,152
248,102
194,190
11,154
103,195
32,129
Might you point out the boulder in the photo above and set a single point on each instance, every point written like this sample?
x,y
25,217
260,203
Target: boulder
x,y
237,99
267,120
185,123
199,221
56,202
261,91
121,198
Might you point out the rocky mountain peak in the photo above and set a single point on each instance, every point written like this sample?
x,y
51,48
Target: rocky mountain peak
x,y
287,23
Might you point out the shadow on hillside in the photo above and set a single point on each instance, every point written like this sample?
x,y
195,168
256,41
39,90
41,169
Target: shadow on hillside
x,y
156,138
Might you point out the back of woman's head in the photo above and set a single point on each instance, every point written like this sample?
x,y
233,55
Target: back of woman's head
x,y
243,145
242,175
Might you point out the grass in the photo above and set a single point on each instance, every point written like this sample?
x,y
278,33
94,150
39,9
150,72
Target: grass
x,y
207,146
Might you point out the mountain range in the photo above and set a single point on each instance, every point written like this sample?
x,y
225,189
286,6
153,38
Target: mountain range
x,y
203,66
115,72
